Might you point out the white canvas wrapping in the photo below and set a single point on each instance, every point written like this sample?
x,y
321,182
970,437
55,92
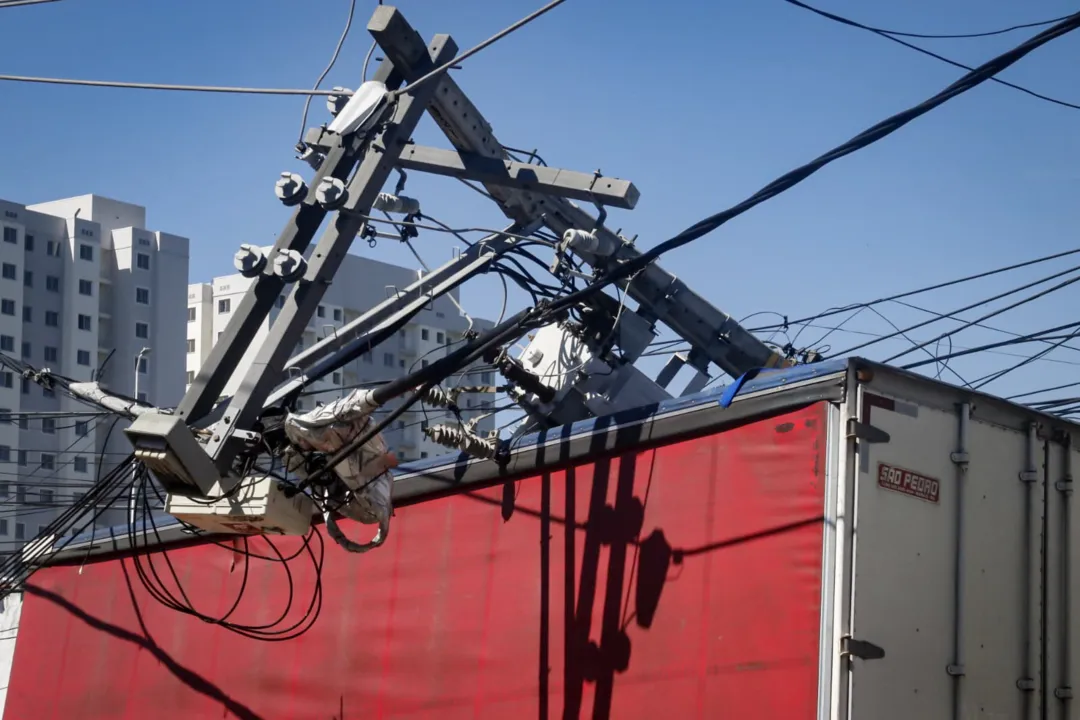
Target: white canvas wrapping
x,y
366,471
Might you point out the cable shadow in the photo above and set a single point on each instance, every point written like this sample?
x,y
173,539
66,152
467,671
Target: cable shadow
x,y
185,675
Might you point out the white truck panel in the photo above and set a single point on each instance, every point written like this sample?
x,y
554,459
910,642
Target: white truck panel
x,y
924,518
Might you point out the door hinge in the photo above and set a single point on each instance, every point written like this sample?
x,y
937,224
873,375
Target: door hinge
x,y
866,432
851,647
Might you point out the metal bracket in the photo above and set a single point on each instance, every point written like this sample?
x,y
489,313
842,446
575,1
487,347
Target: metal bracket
x,y
862,649
959,458
955,670
866,432
1063,693
1065,487
1025,684
523,176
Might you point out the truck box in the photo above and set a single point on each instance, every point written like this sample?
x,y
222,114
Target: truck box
x,y
839,540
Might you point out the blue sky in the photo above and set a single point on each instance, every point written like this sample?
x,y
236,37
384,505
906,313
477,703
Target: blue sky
x,y
698,102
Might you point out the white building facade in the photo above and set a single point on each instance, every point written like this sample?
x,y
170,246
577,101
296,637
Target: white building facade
x,y
360,284
84,287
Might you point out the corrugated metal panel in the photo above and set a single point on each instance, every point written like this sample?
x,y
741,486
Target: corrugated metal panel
x,y
680,582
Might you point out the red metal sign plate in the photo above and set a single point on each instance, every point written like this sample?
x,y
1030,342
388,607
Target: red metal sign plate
x,y
908,482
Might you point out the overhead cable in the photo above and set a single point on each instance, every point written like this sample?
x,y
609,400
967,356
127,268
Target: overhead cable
x,y
1031,337
477,48
891,36
329,67
869,136
163,86
978,303
919,291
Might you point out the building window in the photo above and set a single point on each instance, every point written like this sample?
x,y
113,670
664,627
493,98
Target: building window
x,y
401,362
48,462
24,421
423,334
86,287
51,248
11,235
26,350
46,497
25,386
85,322
7,306
52,283
440,338
22,458
48,392
191,314
52,318
82,428
142,261
142,296
142,397
388,359
423,363
20,531
7,380
27,314
7,343
190,376
336,378
224,306
48,426
337,314
5,456
9,271
144,365
191,345
423,454
485,378
320,311
86,252
28,278
142,330
80,464
367,356
51,354
29,243
83,357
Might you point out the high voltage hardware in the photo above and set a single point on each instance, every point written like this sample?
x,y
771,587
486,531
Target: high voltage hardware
x,y
582,342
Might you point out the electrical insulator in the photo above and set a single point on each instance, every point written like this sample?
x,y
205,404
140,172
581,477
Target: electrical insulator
x,y
461,439
399,204
581,240
438,397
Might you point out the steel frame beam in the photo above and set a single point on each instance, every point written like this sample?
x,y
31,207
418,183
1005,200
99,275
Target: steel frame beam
x,y
661,295
588,187
355,338
376,161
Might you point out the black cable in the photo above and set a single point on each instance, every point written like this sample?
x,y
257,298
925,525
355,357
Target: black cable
x,y
796,176
989,315
987,379
892,37
1049,389
325,72
976,304
1032,337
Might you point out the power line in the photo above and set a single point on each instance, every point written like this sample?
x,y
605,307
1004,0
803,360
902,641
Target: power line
x,y
869,136
971,306
890,37
956,36
920,291
162,86
477,48
329,67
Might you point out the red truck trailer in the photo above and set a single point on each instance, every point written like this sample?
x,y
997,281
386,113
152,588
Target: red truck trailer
x,y
838,540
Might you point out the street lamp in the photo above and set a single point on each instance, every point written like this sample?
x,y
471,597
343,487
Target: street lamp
x,y
135,467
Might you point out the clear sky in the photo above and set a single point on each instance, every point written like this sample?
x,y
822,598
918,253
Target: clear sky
x,y
699,102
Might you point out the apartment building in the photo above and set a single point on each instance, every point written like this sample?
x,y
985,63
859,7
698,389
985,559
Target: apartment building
x,y
360,284
88,292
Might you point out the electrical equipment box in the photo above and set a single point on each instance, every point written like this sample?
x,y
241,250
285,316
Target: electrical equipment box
x,y
258,506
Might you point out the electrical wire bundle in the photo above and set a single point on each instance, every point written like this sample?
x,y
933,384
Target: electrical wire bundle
x,y
154,567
